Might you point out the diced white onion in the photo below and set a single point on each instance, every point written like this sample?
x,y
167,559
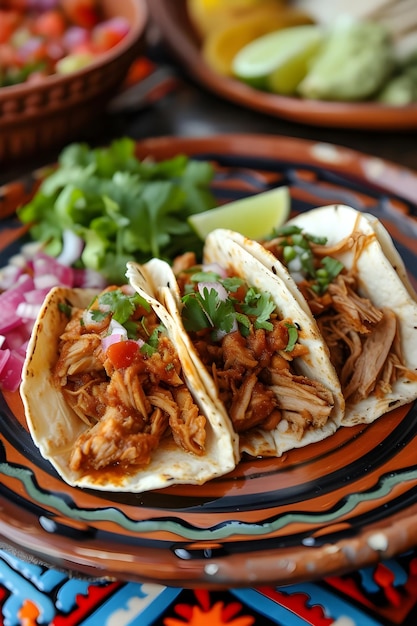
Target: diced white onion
x,y
218,288
116,327
72,247
216,268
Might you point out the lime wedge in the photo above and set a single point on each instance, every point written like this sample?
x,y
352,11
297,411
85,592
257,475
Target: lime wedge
x,y
278,61
255,216
222,44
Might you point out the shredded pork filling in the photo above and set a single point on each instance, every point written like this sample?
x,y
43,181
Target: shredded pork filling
x,y
255,378
128,410
261,390
363,339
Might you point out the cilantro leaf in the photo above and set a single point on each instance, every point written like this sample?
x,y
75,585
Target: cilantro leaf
x,y
122,306
194,316
260,305
292,337
206,309
97,315
221,313
243,324
65,308
151,346
204,276
233,283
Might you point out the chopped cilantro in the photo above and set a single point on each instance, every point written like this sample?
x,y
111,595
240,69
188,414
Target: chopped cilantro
x,y
65,308
97,315
151,346
243,324
260,305
122,208
122,306
154,337
206,310
204,277
326,273
298,235
194,315
298,256
147,350
132,329
292,337
219,312
233,284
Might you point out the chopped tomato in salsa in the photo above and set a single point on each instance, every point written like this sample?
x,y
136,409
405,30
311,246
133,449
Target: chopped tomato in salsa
x,y
38,39
123,353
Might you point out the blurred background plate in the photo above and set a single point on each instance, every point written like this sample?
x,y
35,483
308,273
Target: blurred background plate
x,y
178,32
330,507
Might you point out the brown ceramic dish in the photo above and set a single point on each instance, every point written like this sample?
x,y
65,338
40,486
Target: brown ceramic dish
x,y
172,19
333,506
48,114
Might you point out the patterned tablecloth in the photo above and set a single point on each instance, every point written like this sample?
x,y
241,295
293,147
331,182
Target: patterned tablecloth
x,y
31,595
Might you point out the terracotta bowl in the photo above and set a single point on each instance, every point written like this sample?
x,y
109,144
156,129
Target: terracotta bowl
x,y
50,113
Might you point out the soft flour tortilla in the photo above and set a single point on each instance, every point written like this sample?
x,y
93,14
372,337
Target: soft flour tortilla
x,y
383,280
316,365
55,427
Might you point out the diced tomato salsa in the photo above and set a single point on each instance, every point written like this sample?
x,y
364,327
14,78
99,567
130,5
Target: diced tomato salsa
x,y
43,37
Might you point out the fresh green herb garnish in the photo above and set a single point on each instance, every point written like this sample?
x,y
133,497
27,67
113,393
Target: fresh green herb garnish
x,y
151,346
325,274
132,329
121,306
298,256
122,208
243,323
97,315
65,308
292,337
259,305
207,309
233,284
204,277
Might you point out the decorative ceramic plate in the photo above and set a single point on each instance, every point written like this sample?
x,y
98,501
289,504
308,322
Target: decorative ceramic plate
x,y
344,503
172,19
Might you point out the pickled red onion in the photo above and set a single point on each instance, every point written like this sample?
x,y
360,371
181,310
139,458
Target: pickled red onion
x,y
24,283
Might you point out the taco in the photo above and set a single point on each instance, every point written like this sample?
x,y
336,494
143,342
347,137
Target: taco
x,y
346,271
112,402
260,356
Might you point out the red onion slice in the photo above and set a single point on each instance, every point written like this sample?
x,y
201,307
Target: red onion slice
x,y
11,365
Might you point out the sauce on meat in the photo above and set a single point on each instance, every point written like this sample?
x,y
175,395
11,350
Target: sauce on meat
x,y
128,409
253,371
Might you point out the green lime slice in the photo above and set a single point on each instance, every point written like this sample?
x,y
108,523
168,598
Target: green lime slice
x,y
255,216
279,60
